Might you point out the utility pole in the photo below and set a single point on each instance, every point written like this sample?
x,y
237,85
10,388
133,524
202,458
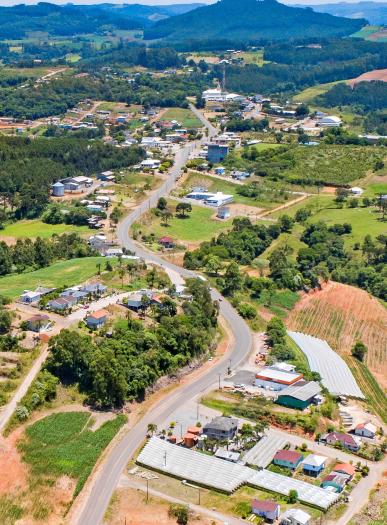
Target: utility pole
x,y
219,380
147,490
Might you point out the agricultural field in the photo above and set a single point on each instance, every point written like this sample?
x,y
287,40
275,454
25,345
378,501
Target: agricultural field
x,y
199,226
185,117
36,228
63,273
342,314
57,454
253,57
332,164
374,33
309,94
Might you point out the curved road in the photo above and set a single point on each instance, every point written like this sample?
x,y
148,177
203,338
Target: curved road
x,y
106,482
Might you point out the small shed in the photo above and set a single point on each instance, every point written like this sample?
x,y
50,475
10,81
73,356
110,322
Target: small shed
x,y
167,242
223,213
296,517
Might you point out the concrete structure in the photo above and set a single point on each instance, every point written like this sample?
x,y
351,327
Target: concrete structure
x,y
221,428
97,319
58,189
300,395
348,441
269,510
367,430
276,380
295,517
216,153
314,464
288,458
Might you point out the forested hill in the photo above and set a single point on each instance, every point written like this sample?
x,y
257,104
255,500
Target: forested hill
x,y
249,20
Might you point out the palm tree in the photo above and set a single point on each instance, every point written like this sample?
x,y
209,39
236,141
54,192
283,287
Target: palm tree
x,y
152,428
121,273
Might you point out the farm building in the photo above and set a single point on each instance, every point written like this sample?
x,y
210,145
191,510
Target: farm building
x,y
288,459
330,121
106,176
219,199
97,319
221,428
295,517
275,379
300,395
216,153
263,452
366,430
269,510
227,455
58,189
313,465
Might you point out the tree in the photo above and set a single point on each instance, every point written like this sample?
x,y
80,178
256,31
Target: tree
x,y
275,331
152,428
213,265
183,208
292,496
359,350
233,279
166,216
5,321
302,110
180,512
162,203
285,223
247,311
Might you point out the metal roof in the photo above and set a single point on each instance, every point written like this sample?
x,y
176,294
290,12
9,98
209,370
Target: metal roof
x,y
223,475
302,392
221,423
335,373
281,376
263,452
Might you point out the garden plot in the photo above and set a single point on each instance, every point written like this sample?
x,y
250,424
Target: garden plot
x,y
335,373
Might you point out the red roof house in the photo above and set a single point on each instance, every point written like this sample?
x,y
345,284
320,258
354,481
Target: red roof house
x,y
288,459
270,510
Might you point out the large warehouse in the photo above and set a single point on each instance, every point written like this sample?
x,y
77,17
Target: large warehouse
x,y
299,395
275,379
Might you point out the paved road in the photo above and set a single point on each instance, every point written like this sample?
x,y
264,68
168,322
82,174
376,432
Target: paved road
x,y
107,479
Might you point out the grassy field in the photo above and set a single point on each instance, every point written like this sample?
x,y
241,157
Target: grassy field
x,y
308,94
198,227
369,386
366,32
254,57
36,228
185,117
63,273
63,444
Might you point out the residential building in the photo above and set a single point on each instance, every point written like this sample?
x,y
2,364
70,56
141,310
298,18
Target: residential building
x,y
300,395
269,510
114,252
219,199
288,459
39,323
96,289
227,455
367,430
337,481
221,427
97,319
150,164
274,379
107,176
167,242
135,301
345,468
295,517
31,297
313,465
216,153
62,303
347,441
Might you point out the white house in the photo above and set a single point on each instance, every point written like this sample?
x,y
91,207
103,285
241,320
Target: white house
x,y
114,252
330,121
219,199
214,95
295,517
150,164
357,191
366,430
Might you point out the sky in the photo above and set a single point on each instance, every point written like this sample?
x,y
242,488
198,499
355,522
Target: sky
x,y
163,2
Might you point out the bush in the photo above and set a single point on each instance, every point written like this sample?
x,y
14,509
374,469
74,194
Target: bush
x,y
247,311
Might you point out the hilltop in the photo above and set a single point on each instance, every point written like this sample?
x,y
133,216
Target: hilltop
x,y
251,20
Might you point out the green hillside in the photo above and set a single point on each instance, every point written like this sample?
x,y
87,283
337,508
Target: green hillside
x,y
251,20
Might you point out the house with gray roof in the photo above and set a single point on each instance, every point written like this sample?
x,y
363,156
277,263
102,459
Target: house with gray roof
x,y
221,427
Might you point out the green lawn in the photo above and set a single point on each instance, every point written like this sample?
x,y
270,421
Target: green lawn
x,y
185,117
36,228
198,227
309,94
63,445
63,273
375,189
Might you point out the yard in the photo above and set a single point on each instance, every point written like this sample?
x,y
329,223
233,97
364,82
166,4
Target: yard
x,y
63,273
197,227
36,228
185,117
